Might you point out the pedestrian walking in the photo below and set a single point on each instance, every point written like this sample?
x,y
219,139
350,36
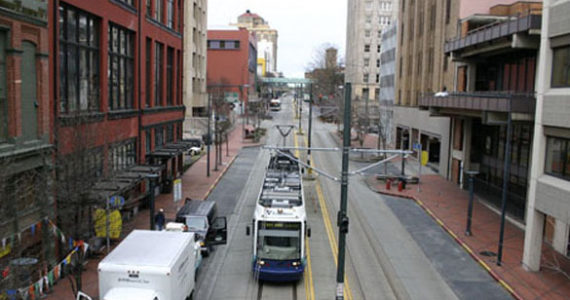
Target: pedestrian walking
x,y
159,220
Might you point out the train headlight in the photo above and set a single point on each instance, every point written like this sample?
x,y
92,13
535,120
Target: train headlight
x,y
202,244
295,263
261,262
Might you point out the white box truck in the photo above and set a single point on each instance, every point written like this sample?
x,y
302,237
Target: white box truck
x,y
150,265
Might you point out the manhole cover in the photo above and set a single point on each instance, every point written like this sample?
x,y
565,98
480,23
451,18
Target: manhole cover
x,y
488,253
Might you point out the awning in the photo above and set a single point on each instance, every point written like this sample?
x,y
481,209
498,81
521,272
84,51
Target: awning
x,y
171,150
123,181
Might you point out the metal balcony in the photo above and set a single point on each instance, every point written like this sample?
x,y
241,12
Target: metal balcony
x,y
482,101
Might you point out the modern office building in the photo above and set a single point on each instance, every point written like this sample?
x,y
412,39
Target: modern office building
x,y
194,93
495,56
266,39
366,21
548,209
387,95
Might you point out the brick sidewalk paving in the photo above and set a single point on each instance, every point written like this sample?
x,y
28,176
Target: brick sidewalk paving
x,y
195,185
447,204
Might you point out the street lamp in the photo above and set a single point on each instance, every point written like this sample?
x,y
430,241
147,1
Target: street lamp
x,y
471,174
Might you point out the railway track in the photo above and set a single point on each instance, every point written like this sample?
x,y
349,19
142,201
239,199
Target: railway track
x,y
276,290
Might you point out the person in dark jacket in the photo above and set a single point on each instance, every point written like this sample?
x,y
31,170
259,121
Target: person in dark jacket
x,y
159,220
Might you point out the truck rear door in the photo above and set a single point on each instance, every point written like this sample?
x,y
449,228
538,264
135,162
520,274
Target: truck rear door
x,y
218,231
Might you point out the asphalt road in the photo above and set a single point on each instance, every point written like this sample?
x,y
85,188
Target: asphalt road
x,y
394,251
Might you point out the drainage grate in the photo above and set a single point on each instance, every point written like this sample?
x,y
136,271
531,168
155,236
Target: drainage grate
x,y
488,253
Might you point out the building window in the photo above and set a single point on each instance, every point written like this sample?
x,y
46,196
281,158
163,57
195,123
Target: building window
x,y
368,19
366,48
158,54
447,11
365,77
128,2
367,33
379,34
123,155
377,78
170,13
432,16
366,62
222,44
180,10
378,48
3,97
148,75
377,63
561,67
158,137
147,141
557,157
169,69
148,8
79,60
170,133
158,10
121,67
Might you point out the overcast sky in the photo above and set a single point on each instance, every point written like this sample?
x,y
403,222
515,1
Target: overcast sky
x,y
302,25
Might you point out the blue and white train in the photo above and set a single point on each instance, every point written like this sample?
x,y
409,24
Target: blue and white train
x,y
279,225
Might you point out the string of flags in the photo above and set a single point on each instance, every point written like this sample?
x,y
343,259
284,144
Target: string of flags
x,y
47,278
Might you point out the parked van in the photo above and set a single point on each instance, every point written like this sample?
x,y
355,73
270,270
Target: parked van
x,y
201,218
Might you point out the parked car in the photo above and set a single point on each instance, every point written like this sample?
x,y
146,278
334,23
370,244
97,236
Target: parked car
x,y
197,146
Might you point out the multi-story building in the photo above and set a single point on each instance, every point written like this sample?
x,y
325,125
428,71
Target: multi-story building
x,y
232,63
366,20
26,143
387,82
266,40
116,77
548,209
422,67
492,103
194,79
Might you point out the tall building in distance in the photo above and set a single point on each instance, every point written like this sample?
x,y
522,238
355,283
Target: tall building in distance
x,y
195,36
366,21
266,41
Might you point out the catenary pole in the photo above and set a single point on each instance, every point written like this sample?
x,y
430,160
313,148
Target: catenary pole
x,y
342,219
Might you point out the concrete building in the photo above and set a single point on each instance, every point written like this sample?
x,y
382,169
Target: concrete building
x,y
26,140
548,209
266,39
232,63
387,95
495,60
422,67
194,85
366,20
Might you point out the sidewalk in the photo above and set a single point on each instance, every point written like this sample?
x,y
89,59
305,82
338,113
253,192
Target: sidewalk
x,y
195,185
447,204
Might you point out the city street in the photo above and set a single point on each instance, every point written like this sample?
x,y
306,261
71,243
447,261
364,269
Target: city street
x,y
394,250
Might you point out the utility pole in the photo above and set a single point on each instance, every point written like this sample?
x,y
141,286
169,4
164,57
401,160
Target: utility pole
x,y
300,101
506,176
342,219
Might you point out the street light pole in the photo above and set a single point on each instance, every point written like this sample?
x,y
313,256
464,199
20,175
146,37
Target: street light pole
x,y
209,138
310,125
506,176
342,219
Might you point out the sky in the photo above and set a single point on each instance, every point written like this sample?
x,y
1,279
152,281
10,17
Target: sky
x,y
302,25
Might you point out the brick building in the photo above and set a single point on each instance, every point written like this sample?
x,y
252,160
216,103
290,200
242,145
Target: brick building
x,y
26,151
116,77
232,62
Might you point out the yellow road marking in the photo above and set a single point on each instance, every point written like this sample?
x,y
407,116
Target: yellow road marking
x,y
310,273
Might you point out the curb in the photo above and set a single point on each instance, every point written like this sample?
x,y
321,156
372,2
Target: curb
x,y
493,274
219,177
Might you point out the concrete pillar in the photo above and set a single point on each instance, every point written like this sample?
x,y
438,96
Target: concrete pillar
x,y
533,239
560,240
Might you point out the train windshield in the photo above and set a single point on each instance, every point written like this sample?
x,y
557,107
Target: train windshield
x,y
279,240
